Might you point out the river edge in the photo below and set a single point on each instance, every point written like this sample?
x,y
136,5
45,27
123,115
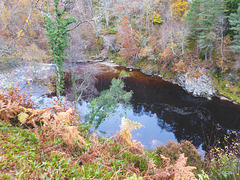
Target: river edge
x,y
46,68
40,97
173,81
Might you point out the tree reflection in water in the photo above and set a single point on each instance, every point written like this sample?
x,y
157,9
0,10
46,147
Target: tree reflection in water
x,y
198,120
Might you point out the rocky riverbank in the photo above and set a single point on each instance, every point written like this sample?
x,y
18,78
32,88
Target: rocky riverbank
x,y
201,86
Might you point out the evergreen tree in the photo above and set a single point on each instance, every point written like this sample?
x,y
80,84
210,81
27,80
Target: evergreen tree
x,y
193,16
231,7
108,101
58,34
202,17
234,20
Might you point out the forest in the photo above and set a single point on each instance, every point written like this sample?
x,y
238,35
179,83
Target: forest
x,y
192,43
169,38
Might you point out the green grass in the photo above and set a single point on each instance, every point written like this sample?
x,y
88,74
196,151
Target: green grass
x,y
22,157
227,88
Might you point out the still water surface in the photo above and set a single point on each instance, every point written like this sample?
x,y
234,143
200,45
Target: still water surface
x,y
168,112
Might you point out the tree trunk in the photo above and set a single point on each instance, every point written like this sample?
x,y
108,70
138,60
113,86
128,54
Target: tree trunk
x,y
197,47
211,55
58,82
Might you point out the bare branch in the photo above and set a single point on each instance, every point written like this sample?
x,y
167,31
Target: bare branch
x,y
17,35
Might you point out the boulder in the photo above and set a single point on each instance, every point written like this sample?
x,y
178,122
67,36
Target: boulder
x,y
201,86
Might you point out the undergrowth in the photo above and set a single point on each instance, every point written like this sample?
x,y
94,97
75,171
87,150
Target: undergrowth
x,y
229,88
52,144
22,157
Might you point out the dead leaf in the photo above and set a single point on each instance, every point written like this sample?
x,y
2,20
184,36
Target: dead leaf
x,y
22,117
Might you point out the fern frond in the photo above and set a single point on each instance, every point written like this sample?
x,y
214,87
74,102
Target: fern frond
x,y
126,127
181,171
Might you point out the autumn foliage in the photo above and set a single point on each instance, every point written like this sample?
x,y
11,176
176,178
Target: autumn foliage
x,y
57,124
126,39
49,123
179,8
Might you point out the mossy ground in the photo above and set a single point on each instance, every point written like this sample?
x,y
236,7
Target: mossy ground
x,y
229,88
22,157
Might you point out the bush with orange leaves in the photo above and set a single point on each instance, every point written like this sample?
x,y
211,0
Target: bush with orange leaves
x,y
120,154
49,124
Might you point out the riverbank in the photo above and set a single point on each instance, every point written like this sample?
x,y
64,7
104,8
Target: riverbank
x,y
51,143
199,84
57,145
167,106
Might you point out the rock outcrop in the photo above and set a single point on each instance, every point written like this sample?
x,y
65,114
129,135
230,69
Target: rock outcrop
x,y
201,86
108,44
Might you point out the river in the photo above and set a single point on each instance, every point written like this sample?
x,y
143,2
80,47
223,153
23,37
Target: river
x,y
165,109
168,112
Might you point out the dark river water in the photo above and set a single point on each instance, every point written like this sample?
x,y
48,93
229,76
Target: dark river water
x,y
168,112
165,109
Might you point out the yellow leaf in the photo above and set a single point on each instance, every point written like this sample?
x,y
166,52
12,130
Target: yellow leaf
x,y
22,117
126,127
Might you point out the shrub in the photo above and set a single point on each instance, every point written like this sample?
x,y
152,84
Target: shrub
x,y
223,163
173,150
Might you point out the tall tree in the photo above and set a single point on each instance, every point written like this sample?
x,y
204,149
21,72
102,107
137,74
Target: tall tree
x,y
234,20
58,34
202,17
231,7
192,17
126,40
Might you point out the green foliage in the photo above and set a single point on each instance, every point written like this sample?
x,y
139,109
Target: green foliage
x,y
116,148
134,177
202,17
106,104
224,162
112,31
203,176
99,43
22,157
115,56
192,18
228,89
139,161
95,46
58,34
109,30
234,20
123,74
153,155
231,7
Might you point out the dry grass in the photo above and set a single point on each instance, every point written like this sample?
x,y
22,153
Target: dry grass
x,y
57,131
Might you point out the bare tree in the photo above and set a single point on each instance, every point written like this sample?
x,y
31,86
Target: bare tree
x,y
11,28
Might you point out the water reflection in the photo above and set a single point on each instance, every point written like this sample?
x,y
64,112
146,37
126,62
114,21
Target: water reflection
x,y
196,119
